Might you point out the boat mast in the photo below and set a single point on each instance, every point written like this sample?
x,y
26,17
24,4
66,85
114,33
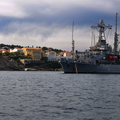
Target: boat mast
x,y
101,27
116,37
73,43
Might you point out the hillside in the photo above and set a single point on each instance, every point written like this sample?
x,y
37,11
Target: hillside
x,y
6,64
12,65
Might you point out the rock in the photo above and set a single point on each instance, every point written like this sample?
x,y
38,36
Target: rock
x,y
6,64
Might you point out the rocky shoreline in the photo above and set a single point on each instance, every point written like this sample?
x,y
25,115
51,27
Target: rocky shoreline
x,y
42,69
11,65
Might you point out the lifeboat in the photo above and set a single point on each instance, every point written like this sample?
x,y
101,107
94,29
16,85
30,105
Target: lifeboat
x,y
111,57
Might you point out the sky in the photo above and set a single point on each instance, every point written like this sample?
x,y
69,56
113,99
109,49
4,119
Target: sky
x,y
49,22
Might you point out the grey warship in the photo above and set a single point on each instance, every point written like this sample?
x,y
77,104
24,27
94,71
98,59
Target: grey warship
x,y
100,58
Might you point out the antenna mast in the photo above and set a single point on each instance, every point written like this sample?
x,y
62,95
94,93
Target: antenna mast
x,y
116,37
72,39
101,27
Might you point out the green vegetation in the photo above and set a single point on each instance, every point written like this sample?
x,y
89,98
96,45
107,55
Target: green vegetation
x,y
10,46
56,50
13,54
18,55
18,46
44,48
19,62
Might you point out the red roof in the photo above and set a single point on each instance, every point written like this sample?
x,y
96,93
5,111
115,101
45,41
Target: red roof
x,y
19,48
3,50
33,48
67,52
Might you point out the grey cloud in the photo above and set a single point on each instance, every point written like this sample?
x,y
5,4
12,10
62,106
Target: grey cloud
x,y
43,21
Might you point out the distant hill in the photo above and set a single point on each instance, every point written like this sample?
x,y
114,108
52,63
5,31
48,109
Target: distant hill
x,y
53,49
5,46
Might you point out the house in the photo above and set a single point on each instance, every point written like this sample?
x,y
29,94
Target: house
x,y
2,51
61,53
5,47
67,54
51,55
16,50
34,53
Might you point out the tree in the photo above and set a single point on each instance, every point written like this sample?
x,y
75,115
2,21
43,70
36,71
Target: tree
x,y
12,54
44,48
17,53
12,46
22,54
6,53
2,45
29,56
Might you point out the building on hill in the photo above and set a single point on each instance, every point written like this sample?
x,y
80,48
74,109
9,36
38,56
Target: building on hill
x,y
51,55
16,50
34,53
3,50
67,54
5,47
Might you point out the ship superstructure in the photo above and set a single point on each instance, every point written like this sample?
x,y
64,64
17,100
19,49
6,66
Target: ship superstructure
x,y
100,58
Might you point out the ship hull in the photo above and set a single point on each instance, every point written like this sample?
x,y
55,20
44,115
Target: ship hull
x,y
77,67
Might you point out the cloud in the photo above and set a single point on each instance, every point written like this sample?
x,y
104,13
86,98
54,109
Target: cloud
x,y
49,22
30,34
55,6
22,9
54,35
10,9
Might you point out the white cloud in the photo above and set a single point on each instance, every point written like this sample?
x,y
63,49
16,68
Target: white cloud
x,y
52,35
28,34
54,6
10,9
16,8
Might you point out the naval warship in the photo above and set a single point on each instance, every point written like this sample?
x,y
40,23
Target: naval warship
x,y
99,58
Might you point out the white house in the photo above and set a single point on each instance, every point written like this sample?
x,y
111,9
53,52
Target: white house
x,y
67,54
16,50
52,55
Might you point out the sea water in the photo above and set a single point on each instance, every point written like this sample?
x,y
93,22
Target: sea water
x,y
41,95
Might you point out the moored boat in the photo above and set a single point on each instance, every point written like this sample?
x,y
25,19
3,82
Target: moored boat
x,y
100,58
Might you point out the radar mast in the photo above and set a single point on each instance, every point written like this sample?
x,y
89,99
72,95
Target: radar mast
x,y
101,27
73,43
116,38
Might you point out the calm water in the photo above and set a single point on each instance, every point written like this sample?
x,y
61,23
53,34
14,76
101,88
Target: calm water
x,y
58,96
